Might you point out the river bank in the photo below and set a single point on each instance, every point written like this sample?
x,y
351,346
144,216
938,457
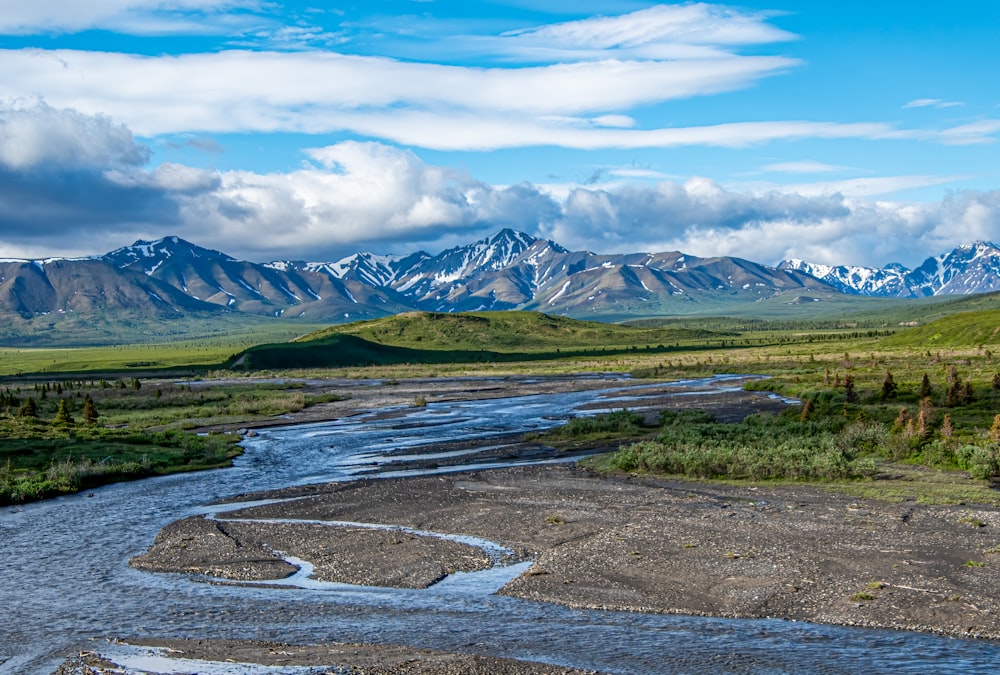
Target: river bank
x,y
633,544
587,541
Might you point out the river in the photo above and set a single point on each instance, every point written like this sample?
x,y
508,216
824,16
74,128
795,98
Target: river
x,y
66,580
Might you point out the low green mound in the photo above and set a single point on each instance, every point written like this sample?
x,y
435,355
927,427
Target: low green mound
x,y
335,351
966,329
510,331
473,337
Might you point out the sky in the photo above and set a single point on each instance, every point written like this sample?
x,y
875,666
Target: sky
x,y
835,132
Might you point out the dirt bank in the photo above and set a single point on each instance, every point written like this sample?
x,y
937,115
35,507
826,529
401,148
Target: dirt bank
x,y
356,659
650,546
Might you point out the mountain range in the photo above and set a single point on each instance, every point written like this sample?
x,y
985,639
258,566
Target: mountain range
x,y
972,268
171,277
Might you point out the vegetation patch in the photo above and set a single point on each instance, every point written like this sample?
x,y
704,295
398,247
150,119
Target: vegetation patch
x,y
58,437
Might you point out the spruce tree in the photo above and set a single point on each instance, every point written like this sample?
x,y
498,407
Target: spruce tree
x,y
849,394
807,409
925,386
888,387
62,415
28,409
89,411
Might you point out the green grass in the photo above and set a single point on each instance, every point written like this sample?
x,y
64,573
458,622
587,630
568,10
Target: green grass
x,y
852,446
142,429
187,352
763,447
475,337
963,330
39,460
510,332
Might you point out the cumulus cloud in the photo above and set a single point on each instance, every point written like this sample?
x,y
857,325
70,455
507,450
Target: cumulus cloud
x,y
370,196
32,133
703,218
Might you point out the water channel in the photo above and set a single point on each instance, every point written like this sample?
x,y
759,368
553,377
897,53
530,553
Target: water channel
x,y
65,580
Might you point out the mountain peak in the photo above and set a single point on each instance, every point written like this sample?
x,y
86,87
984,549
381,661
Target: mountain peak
x,y
150,253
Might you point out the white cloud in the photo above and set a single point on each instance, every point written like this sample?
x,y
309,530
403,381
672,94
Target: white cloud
x,y
973,133
417,104
866,187
932,103
32,134
252,91
61,198
691,31
143,17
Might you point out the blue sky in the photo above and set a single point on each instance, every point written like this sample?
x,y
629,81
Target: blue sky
x,y
837,132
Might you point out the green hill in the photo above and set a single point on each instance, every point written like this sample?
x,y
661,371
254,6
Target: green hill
x,y
965,329
510,332
427,337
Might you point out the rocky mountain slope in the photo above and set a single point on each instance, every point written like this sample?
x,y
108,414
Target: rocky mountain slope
x,y
510,270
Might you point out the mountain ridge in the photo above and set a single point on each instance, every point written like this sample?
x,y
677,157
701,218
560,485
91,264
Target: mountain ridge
x,y
508,270
965,270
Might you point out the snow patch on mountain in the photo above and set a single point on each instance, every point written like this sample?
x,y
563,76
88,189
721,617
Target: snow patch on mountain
x,y
972,268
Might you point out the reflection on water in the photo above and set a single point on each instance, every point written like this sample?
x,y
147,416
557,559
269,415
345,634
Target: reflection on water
x,y
66,579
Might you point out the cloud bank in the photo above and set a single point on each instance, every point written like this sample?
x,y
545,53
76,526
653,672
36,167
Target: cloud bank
x,y
93,191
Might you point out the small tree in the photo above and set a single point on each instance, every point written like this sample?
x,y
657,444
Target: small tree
x,y
807,409
62,414
995,429
888,387
850,395
28,409
902,419
924,417
947,430
925,386
89,411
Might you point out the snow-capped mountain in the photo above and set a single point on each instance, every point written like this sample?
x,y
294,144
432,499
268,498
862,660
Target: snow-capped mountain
x,y
973,268
171,277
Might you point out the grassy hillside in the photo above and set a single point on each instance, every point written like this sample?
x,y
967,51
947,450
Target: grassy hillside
x,y
962,330
426,337
522,332
210,348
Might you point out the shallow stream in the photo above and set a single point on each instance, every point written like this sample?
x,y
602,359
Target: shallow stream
x,y
66,580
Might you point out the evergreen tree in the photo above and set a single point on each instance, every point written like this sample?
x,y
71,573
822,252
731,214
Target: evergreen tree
x,y
850,395
947,430
888,387
62,414
28,409
995,429
807,409
89,411
925,386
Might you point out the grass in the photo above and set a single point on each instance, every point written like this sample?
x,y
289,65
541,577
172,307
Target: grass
x,y
142,429
188,352
867,443
38,460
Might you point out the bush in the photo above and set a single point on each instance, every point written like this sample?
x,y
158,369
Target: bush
x,y
762,447
618,422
